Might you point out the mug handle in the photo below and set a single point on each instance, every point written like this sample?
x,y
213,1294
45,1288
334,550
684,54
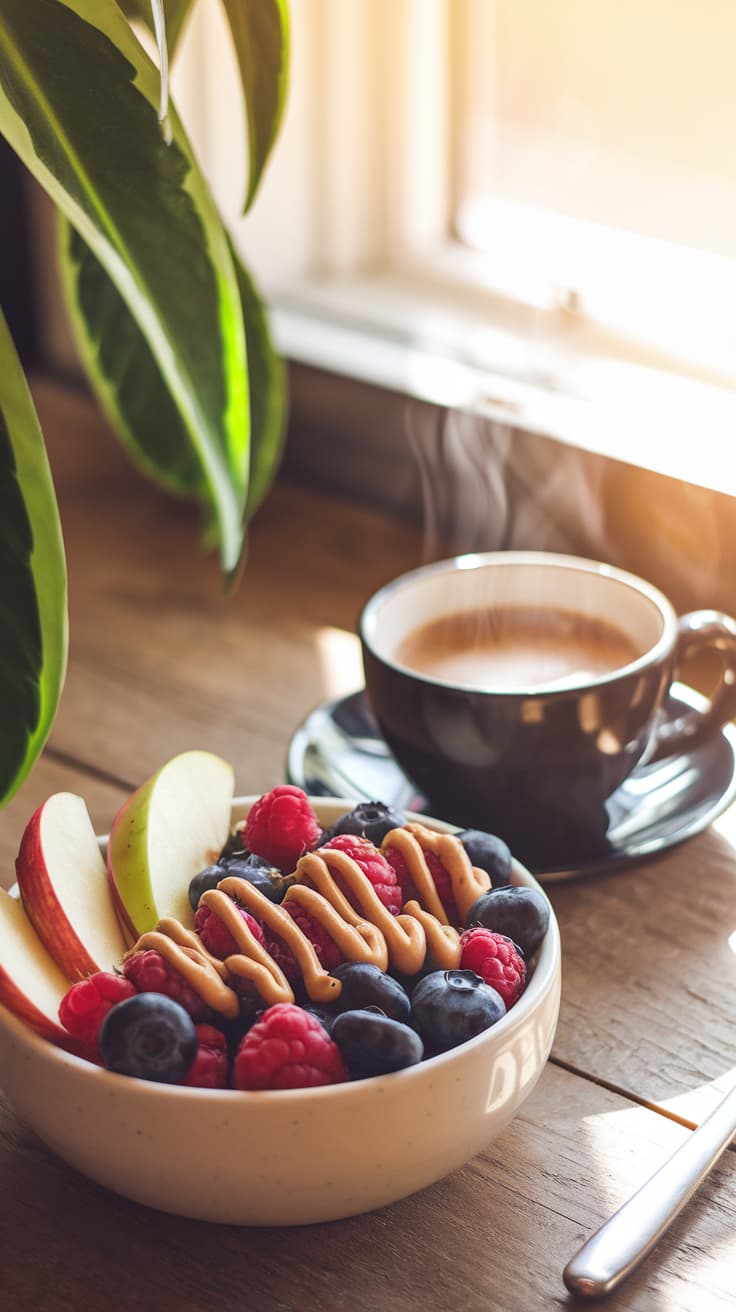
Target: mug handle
x,y
700,630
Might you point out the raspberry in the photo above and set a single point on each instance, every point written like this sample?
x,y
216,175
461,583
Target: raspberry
x,y
326,948
496,959
401,870
443,884
282,826
216,937
375,867
209,1070
441,878
83,1009
149,972
283,956
287,1048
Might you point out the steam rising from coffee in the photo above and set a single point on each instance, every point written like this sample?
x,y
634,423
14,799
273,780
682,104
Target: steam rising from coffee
x,y
486,486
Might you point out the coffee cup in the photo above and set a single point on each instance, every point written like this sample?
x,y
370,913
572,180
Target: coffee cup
x,y
518,690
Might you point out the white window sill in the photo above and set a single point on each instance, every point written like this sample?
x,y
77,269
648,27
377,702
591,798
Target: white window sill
x,y
544,371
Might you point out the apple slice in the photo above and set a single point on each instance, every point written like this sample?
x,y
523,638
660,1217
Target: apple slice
x,y
31,984
171,828
63,885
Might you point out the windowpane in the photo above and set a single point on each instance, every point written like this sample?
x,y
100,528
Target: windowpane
x,y
618,112
605,177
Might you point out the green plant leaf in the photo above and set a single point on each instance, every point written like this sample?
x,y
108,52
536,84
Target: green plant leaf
x,y
176,12
268,393
260,32
80,108
133,393
33,610
159,28
124,374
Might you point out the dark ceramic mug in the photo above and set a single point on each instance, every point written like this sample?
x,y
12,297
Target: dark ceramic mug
x,y
537,762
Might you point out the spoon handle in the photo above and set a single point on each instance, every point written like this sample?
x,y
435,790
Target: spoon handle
x,y
622,1242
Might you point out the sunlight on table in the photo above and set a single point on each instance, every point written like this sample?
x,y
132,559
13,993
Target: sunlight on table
x,y
698,1102
341,666
627,1146
725,825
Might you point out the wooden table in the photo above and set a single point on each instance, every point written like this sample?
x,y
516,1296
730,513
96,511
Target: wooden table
x,y
160,662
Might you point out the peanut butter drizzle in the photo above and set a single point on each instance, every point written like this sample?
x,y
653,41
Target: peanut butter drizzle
x,y
468,882
185,951
357,939
320,985
252,962
419,873
375,936
405,937
443,942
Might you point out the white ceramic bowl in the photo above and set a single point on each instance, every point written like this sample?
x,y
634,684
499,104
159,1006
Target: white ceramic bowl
x,y
291,1157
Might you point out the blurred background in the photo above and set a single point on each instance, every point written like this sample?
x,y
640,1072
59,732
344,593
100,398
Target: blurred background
x,y
498,238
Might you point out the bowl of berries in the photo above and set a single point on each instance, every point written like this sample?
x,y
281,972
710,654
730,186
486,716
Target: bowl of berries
x,y
269,1010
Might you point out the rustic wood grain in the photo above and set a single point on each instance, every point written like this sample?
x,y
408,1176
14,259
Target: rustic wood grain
x,y
493,1236
160,662
649,976
160,659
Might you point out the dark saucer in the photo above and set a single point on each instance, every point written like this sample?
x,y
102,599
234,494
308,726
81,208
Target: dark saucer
x,y
339,752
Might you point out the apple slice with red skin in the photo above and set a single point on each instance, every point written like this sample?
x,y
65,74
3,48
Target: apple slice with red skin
x,y
63,885
31,983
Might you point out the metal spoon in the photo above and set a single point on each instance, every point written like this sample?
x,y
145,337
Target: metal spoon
x,y
622,1242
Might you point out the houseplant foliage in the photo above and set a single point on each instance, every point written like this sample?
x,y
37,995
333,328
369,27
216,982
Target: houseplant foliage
x,y
169,324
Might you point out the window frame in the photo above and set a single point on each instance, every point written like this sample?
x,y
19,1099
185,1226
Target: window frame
x,y
353,239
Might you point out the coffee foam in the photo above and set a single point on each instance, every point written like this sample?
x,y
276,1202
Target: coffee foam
x,y
508,579
514,648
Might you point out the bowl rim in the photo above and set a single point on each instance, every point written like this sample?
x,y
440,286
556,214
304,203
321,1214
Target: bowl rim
x,y
547,969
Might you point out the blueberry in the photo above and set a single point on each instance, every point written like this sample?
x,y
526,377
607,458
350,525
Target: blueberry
x,y
372,820
203,882
326,1015
236,1030
409,982
233,847
451,1006
522,914
489,853
148,1036
366,985
251,1002
371,1043
258,871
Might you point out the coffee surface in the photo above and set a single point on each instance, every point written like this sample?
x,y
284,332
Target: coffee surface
x,y
517,647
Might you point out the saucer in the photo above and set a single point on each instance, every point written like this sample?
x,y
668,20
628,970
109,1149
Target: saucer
x,y
338,751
